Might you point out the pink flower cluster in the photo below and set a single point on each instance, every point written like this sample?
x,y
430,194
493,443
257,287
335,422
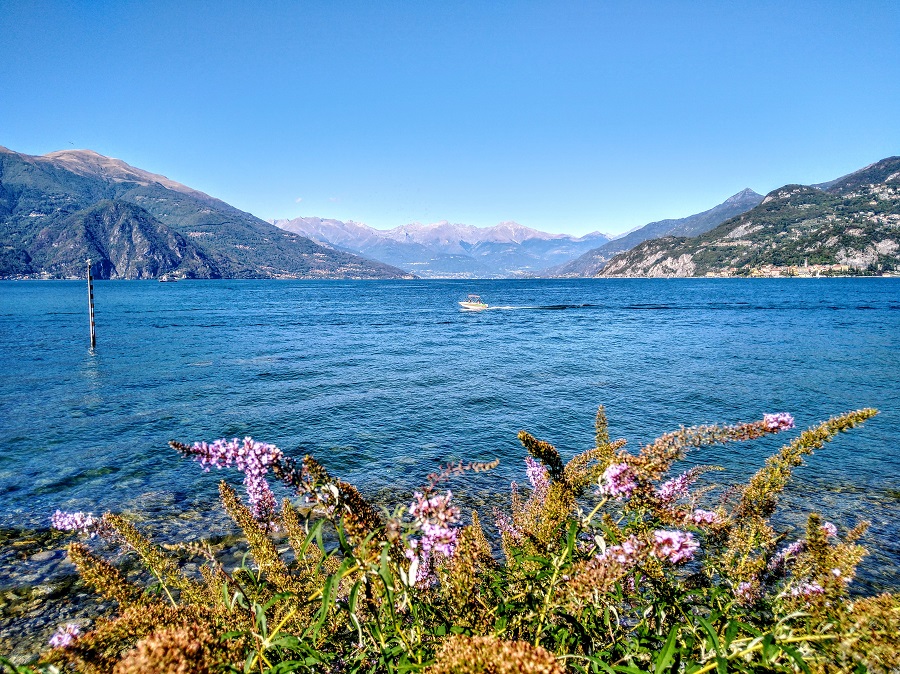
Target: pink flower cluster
x,y
65,636
787,554
746,593
538,476
505,525
627,553
435,518
84,523
781,421
700,516
807,590
829,530
617,481
674,546
676,488
253,459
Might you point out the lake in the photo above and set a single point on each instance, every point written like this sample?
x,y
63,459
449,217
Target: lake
x,y
384,381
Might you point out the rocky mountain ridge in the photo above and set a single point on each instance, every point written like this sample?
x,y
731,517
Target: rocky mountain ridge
x,y
592,262
850,225
443,249
59,209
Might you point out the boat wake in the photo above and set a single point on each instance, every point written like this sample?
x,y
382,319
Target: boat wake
x,y
543,307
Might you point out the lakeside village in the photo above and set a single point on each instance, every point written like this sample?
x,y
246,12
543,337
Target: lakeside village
x,y
805,270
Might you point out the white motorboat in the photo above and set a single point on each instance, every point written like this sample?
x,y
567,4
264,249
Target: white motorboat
x,y
473,303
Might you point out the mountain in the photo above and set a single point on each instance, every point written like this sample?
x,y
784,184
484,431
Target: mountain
x,y
593,261
59,209
447,250
848,225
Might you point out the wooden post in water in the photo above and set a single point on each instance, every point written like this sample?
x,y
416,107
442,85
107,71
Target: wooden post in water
x,y
91,304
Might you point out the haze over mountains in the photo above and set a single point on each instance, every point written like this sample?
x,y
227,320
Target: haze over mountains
x,y
446,250
507,250
59,209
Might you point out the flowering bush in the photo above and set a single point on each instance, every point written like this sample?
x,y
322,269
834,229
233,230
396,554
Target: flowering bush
x,y
605,564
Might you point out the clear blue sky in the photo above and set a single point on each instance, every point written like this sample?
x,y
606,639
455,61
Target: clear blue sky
x,y
563,116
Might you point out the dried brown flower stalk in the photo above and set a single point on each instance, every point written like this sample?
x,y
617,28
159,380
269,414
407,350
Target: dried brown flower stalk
x,y
103,576
487,655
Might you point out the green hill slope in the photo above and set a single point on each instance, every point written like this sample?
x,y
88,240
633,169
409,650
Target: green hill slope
x,y
593,261
67,206
851,227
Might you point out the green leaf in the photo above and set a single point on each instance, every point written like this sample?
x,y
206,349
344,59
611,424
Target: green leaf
x,y
730,632
711,632
664,659
261,619
769,648
603,665
315,533
796,657
354,596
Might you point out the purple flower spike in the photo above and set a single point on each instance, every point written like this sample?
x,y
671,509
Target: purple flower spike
x,y
84,523
617,481
807,590
505,526
705,517
65,636
538,476
746,593
675,546
829,529
253,459
435,519
627,554
781,421
675,488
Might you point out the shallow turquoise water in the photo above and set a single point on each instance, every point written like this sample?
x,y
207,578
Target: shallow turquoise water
x,y
384,381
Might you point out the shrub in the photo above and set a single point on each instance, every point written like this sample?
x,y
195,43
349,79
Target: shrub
x,y
606,563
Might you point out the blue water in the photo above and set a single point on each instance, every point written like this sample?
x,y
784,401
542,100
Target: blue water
x,y
385,381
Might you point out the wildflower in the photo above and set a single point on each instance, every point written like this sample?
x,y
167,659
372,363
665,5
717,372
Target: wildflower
x,y
829,529
705,517
617,481
435,519
538,476
631,585
505,526
675,546
787,554
84,523
253,459
674,489
65,636
781,421
746,592
627,553
807,590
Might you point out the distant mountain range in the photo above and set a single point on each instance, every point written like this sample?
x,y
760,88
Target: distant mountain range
x,y
446,250
59,209
592,262
847,225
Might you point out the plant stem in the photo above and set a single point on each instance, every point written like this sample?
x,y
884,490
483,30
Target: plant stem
x,y
557,565
758,646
